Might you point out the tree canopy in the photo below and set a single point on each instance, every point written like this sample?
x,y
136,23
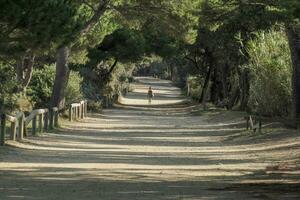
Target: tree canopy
x,y
204,42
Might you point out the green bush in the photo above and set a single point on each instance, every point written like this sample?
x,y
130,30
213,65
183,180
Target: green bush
x,y
194,86
73,90
8,85
40,87
270,66
95,106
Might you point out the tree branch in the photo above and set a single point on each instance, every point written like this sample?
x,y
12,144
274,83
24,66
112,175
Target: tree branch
x,y
112,67
98,13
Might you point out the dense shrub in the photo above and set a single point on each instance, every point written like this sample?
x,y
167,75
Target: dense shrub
x,y
194,87
40,87
73,90
8,84
270,66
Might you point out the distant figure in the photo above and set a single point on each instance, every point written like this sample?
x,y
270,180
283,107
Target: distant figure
x,y
150,95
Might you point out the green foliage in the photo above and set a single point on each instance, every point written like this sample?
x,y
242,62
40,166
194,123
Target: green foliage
x,y
36,25
194,87
7,87
40,87
270,66
123,44
73,90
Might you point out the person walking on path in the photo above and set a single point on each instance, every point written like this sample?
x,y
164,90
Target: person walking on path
x,y
150,95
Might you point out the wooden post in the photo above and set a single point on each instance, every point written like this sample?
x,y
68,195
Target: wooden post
x,y
34,126
82,110
21,128
78,112
70,113
51,118
41,116
13,131
259,125
75,113
85,109
56,118
3,129
25,131
46,119
251,122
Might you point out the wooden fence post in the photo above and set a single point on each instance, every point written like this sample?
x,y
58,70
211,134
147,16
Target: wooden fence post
x,y
70,113
13,131
41,116
51,118
56,118
75,113
78,112
259,125
46,119
82,110
34,126
3,129
85,109
21,128
251,122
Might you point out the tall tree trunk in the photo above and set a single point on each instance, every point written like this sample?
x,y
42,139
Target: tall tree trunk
x,y
245,88
207,79
234,98
205,85
214,92
224,74
61,77
293,32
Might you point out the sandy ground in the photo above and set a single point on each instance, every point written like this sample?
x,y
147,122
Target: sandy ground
x,y
154,152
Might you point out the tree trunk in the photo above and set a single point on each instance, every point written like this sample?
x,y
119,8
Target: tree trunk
x,y
207,79
234,98
61,77
224,74
293,32
245,87
214,92
107,75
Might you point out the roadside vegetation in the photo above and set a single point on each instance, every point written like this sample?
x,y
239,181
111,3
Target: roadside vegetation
x,y
240,55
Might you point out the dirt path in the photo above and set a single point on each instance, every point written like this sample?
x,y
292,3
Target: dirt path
x,y
153,152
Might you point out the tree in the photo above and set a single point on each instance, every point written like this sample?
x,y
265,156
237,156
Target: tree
x,y
132,13
62,68
28,29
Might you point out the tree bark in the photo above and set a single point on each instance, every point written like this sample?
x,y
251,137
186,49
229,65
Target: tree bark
x,y
234,98
207,79
107,75
61,77
245,87
224,74
293,32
